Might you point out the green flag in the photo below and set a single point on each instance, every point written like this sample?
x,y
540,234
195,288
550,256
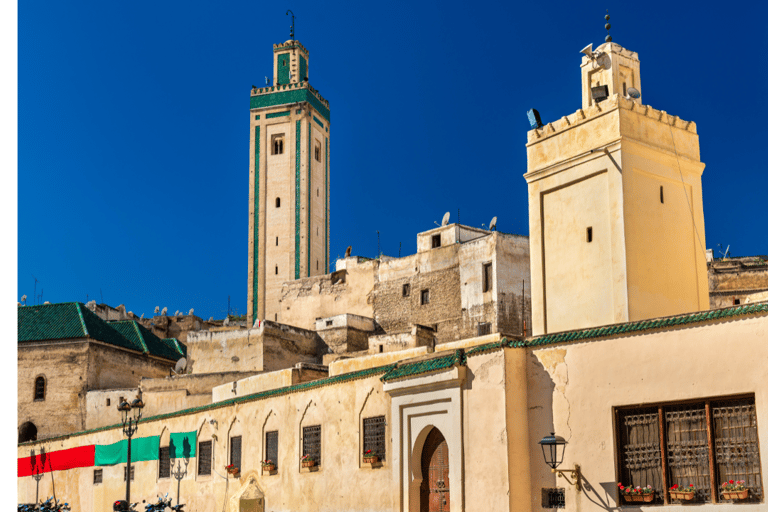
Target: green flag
x,y
142,448
183,445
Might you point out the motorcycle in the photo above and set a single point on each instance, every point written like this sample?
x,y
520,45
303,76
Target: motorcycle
x,y
160,506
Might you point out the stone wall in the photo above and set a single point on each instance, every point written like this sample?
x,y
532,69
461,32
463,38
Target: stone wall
x,y
742,279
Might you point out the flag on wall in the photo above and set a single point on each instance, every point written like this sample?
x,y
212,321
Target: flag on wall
x,y
142,448
45,462
183,445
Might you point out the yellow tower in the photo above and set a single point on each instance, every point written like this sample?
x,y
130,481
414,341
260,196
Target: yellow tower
x,y
289,177
615,208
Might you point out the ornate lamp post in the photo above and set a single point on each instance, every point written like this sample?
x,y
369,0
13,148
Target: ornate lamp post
x,y
553,448
130,425
179,473
37,470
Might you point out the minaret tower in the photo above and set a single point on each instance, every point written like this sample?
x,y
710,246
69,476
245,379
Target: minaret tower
x,y
289,177
615,208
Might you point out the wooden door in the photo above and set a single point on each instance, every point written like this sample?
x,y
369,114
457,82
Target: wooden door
x,y
435,486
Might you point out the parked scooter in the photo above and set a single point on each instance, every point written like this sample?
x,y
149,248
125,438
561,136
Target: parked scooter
x,y
160,506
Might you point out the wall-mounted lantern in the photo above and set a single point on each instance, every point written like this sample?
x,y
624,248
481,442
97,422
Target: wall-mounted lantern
x,y
553,448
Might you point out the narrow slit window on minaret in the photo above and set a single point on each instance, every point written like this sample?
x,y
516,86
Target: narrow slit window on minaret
x,y
661,193
277,144
277,239
275,269
589,234
317,152
277,202
624,88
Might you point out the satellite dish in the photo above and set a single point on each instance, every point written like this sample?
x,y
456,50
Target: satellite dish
x,y
164,311
181,365
492,226
23,298
633,93
157,309
348,252
446,218
176,313
191,311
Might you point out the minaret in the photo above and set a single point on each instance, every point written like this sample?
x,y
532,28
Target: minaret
x,y
289,177
615,208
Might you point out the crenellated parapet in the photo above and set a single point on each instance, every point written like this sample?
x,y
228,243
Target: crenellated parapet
x,y
290,93
613,102
289,45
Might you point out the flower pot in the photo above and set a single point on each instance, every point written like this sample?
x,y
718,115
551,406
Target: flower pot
x,y
370,459
268,467
638,497
735,495
233,471
681,495
307,463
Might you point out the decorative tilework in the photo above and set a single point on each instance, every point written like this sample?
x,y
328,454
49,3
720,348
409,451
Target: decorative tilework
x,y
309,199
255,289
286,97
283,70
318,121
401,370
278,114
302,67
327,222
258,117
297,245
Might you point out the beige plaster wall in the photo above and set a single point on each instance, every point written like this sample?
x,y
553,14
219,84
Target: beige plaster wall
x,y
574,388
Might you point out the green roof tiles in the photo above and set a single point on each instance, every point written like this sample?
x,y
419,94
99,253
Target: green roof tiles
x,y
176,345
456,358
72,320
644,325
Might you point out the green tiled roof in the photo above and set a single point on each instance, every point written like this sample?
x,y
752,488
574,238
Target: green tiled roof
x,y
140,335
305,386
71,320
645,325
176,345
400,370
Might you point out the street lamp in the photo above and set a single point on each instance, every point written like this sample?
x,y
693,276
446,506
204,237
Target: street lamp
x,y
553,448
130,425
37,471
179,473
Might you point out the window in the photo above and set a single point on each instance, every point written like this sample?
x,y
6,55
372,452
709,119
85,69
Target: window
x,y
589,234
673,444
271,449
317,151
133,472
108,402
277,239
406,290
235,447
275,269
435,241
328,323
277,202
98,475
277,144
487,277
374,436
381,349
39,388
553,498
164,462
661,193
483,328
317,265
204,457
311,444
736,302
424,297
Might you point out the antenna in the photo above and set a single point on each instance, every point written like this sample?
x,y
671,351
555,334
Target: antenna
x,y
446,218
292,21
378,243
102,296
400,249
36,281
727,250
492,225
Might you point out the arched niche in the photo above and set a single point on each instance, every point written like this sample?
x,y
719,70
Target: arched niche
x,y
249,498
27,432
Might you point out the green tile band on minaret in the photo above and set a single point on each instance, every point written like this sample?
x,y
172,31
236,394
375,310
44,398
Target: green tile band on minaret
x,y
327,193
297,261
309,199
255,288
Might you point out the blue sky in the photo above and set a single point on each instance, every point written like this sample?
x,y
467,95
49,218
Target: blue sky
x,y
133,127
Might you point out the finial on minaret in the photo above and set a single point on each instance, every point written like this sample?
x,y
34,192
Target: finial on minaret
x,y
292,20
608,38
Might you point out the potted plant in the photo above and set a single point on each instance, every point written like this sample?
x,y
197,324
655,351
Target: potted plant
x,y
370,457
643,494
734,490
233,470
307,461
267,465
682,493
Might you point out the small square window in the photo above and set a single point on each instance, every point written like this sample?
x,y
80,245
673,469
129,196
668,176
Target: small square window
x,y
424,297
553,498
483,328
435,241
109,402
277,144
98,475
328,323
406,290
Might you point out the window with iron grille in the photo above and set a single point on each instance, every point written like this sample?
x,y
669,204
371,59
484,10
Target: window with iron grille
x,y
374,436
164,462
40,388
553,498
98,475
701,443
204,456
483,328
133,472
311,445
235,444
272,447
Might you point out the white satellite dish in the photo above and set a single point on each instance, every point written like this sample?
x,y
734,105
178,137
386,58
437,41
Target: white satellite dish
x,y
23,298
492,226
181,365
157,309
446,218
633,93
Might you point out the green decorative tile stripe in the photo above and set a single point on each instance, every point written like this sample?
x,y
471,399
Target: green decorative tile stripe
x,y
258,117
255,269
327,224
278,114
318,121
310,159
646,325
302,67
283,68
401,370
337,379
297,261
71,320
293,93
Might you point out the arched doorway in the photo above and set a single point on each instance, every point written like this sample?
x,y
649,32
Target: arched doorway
x,y
435,486
27,432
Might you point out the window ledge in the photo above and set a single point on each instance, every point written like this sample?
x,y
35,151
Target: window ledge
x,y
372,465
264,472
313,469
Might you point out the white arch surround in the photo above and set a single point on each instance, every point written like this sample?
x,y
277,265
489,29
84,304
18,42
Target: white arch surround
x,y
420,404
